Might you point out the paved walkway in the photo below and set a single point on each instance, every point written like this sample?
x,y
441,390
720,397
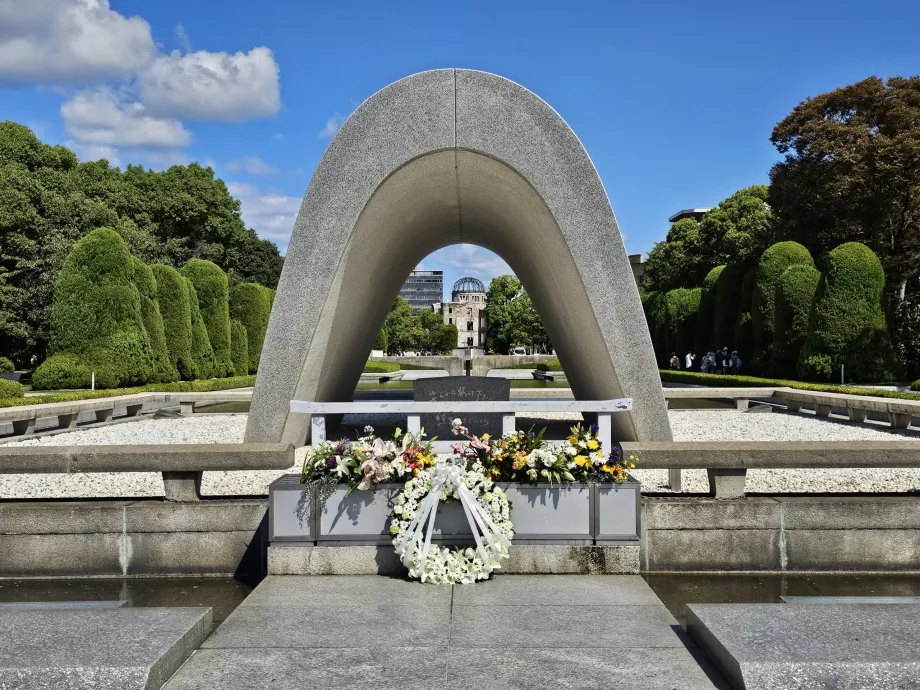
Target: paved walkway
x,y
525,631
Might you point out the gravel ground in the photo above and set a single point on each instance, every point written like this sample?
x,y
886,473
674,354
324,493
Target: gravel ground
x,y
688,425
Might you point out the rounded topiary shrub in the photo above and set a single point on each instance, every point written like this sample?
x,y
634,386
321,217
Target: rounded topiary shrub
x,y
847,322
727,304
774,261
11,389
915,386
381,341
202,353
795,292
656,317
744,324
96,317
162,368
251,305
239,348
6,365
683,307
704,338
173,300
213,293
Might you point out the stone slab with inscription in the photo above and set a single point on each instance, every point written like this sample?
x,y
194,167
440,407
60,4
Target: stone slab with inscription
x,y
462,388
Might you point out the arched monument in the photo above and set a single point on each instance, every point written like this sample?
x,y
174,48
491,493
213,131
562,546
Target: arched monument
x,y
439,158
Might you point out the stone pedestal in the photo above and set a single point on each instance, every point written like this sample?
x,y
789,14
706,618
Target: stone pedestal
x,y
462,388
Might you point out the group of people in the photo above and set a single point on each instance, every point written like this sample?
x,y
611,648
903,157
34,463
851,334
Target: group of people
x,y
717,362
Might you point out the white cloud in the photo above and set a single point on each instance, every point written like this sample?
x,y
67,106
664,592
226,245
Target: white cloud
x,y
95,152
182,38
102,117
271,214
211,86
470,260
332,126
252,165
70,42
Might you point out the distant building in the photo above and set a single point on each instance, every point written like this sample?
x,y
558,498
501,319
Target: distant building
x,y
695,213
638,268
467,311
423,289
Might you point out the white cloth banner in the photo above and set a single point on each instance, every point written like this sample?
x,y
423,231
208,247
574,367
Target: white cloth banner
x,y
448,477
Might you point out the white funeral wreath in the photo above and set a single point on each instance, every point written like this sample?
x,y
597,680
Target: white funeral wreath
x,y
487,510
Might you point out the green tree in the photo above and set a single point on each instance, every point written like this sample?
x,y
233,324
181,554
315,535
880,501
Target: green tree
x,y
97,321
851,172
173,299
400,327
679,260
703,340
683,306
251,304
847,325
381,342
739,229
795,292
212,290
239,348
512,318
774,261
162,369
202,352
744,325
727,307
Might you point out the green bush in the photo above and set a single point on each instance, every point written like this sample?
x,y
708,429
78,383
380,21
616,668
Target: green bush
x,y
213,293
795,292
683,306
251,304
847,322
771,266
728,381
202,353
239,347
6,365
173,298
656,316
915,386
162,368
744,325
380,367
96,318
11,389
415,367
552,365
381,341
179,387
727,306
703,334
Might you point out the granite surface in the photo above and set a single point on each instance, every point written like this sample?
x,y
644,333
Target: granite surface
x,y
454,388
794,647
97,649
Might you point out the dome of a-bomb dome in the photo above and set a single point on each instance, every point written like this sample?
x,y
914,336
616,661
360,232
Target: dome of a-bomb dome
x,y
469,285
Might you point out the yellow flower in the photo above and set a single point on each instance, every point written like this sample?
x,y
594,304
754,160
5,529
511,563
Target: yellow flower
x,y
593,445
496,471
573,440
485,437
581,460
600,454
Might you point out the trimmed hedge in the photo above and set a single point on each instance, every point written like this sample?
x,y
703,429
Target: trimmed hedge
x,y
728,381
744,325
251,305
11,389
656,317
162,369
552,365
204,386
213,293
380,367
847,323
173,298
415,367
727,306
703,334
683,308
771,266
6,365
96,319
795,292
202,353
915,386
239,347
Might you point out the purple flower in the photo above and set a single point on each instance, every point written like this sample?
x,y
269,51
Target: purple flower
x,y
331,462
595,428
368,429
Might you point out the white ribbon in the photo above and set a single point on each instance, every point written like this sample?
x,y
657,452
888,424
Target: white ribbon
x,y
446,476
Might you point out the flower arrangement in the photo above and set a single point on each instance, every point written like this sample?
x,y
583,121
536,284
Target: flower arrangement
x,y
442,565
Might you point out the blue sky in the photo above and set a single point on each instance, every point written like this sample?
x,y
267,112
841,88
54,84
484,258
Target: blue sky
x,y
673,101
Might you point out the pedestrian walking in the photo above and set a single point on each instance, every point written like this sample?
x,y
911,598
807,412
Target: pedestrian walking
x,y
690,358
675,363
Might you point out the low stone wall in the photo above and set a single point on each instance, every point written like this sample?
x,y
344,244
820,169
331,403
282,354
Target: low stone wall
x,y
229,537
481,365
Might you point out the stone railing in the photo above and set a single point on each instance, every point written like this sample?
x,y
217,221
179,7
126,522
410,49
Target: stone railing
x,y
24,417
181,464
508,409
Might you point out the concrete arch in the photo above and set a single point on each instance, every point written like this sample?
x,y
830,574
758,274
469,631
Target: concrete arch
x,y
439,158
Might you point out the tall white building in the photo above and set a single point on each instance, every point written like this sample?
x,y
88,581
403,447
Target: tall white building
x,y
467,311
